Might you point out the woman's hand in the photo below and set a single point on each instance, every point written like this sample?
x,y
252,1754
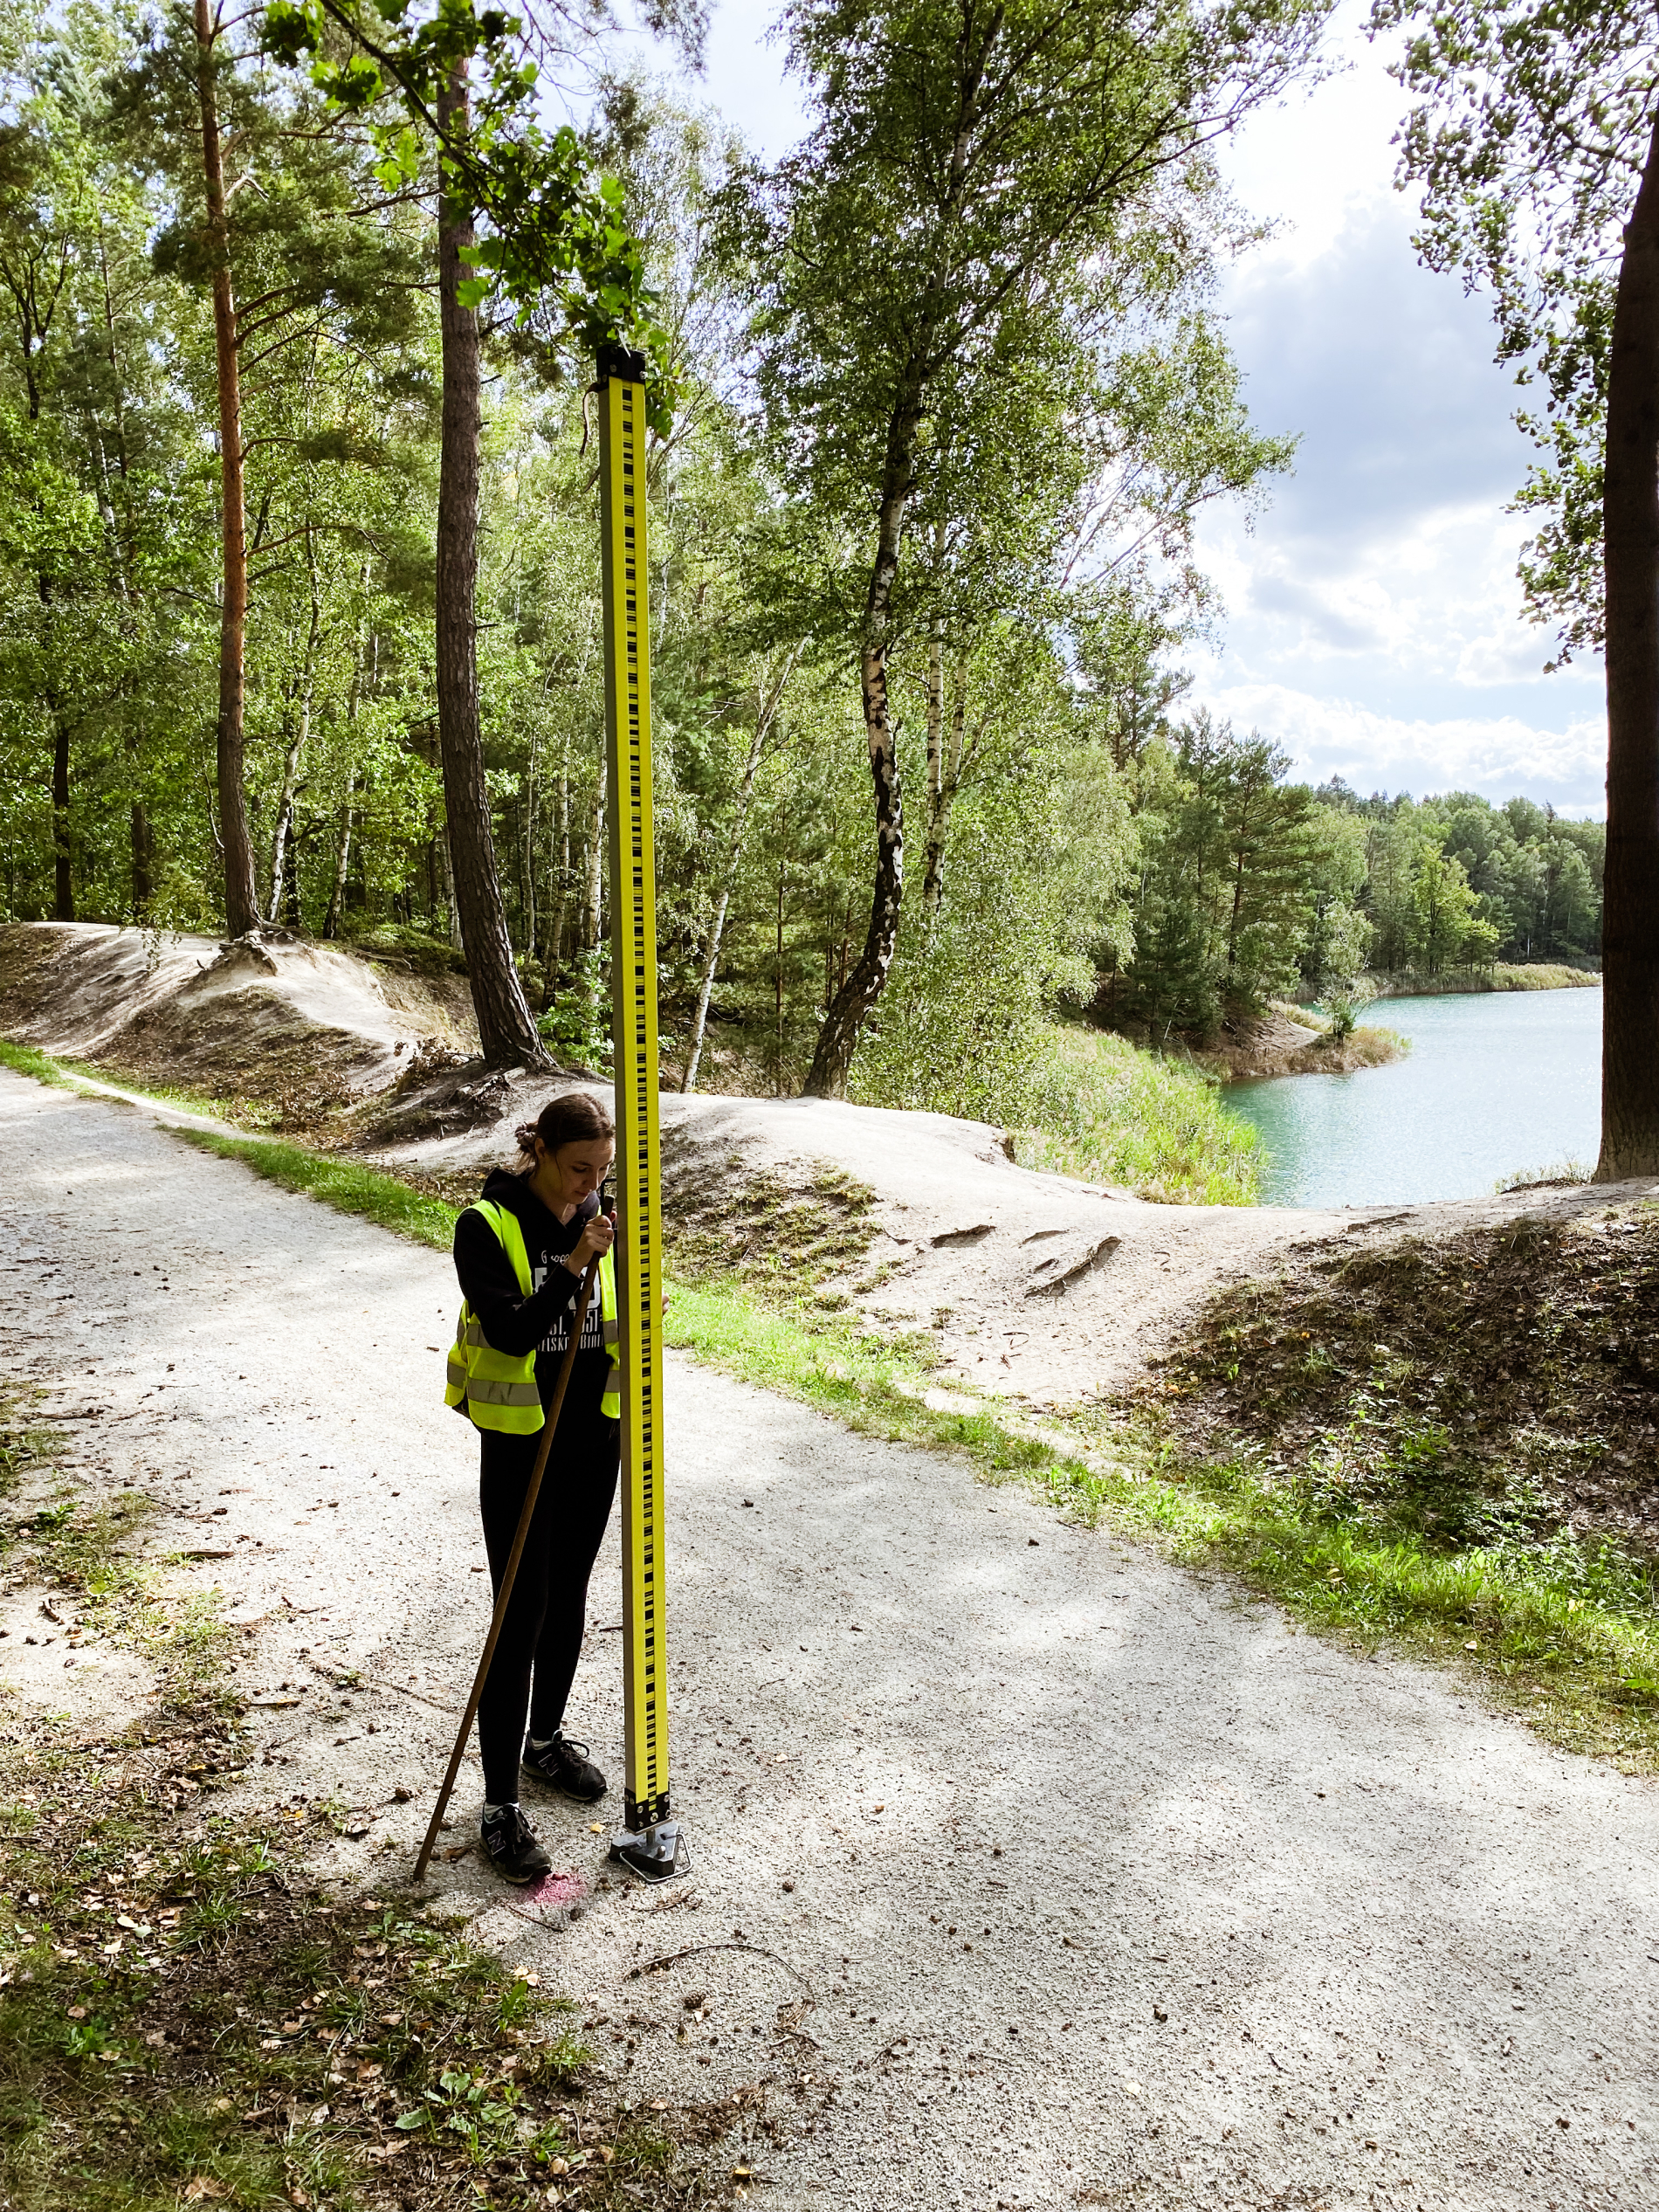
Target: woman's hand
x,y
594,1240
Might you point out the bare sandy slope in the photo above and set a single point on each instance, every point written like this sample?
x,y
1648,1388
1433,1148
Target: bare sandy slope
x,y
273,1015
1107,1888
1039,1288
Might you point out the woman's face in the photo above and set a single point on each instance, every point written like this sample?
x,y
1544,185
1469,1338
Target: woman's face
x,y
564,1178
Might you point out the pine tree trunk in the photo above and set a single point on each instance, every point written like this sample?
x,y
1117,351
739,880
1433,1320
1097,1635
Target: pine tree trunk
x,y
506,1032
1630,513
241,899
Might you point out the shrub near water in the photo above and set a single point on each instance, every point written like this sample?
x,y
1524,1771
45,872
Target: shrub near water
x,y
963,1033
1102,1110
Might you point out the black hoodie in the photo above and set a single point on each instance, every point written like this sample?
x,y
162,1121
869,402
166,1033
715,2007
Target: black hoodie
x,y
514,1324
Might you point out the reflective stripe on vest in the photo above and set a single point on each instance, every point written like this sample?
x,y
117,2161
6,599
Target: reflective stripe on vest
x,y
498,1390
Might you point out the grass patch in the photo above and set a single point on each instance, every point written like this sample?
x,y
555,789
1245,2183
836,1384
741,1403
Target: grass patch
x,y
1559,1173
1105,1110
186,2019
83,1075
25,1060
82,1547
1502,975
348,1188
1450,1442
873,1383
762,1229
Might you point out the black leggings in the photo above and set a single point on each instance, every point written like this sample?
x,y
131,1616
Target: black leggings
x,y
546,1613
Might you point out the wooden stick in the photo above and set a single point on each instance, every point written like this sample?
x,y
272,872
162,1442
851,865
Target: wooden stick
x,y
507,1579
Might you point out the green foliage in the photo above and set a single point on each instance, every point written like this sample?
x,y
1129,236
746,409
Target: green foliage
x,y
576,1030
1456,881
557,241
1098,1108
1343,1009
1245,887
1066,822
1530,134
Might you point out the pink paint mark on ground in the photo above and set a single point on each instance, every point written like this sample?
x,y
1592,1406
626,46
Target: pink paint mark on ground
x,y
556,1889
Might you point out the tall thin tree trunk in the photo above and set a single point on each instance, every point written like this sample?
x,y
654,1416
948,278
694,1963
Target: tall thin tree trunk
x,y
845,1016
768,702
63,871
1630,513
506,1032
562,895
448,868
946,748
331,920
300,732
593,890
527,864
143,859
141,841
778,980
241,899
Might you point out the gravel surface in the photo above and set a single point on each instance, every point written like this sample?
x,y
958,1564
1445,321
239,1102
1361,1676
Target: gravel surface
x,y
1108,1888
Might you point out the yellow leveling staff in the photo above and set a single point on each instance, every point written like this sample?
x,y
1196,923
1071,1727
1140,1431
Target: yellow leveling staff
x,y
651,1844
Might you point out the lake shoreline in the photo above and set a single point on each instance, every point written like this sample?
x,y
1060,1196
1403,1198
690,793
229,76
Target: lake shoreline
x,y
1496,1085
1474,983
1276,1044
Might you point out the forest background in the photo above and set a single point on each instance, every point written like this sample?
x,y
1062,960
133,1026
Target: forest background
x,y
1081,848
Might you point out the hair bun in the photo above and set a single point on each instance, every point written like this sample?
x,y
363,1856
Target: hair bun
x,y
525,1133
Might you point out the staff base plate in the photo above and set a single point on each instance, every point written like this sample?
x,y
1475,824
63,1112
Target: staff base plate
x,y
655,1854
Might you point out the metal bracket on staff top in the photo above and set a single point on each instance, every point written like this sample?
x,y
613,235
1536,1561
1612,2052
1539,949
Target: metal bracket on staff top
x,y
649,1843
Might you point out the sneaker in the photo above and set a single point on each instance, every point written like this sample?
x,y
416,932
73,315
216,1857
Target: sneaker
x,y
565,1767
511,1847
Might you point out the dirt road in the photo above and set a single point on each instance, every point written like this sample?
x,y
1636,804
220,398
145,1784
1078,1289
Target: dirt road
x,y
1107,1888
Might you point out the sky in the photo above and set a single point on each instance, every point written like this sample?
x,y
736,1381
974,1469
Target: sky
x,y
1370,619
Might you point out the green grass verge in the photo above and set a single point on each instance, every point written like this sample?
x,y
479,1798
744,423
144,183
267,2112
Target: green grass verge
x,y
1575,1661
93,1080
1569,1656
25,1060
341,1184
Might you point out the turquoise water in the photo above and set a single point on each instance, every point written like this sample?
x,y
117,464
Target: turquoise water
x,y
1494,1083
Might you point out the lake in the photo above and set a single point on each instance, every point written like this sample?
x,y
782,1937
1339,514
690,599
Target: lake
x,y
1495,1082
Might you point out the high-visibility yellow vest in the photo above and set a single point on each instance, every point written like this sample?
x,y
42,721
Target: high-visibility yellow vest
x,y
498,1390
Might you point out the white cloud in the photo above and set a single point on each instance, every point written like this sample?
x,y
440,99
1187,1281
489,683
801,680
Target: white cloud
x,y
1495,756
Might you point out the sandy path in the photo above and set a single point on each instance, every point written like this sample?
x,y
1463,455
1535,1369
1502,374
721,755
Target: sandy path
x,y
1373,1914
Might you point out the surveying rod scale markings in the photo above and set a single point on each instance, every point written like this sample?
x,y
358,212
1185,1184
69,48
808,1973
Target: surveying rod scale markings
x,y
633,904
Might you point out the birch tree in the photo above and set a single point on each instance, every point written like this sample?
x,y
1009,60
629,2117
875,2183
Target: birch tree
x,y
918,257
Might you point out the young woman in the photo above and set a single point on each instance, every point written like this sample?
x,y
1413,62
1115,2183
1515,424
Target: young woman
x,y
521,1252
